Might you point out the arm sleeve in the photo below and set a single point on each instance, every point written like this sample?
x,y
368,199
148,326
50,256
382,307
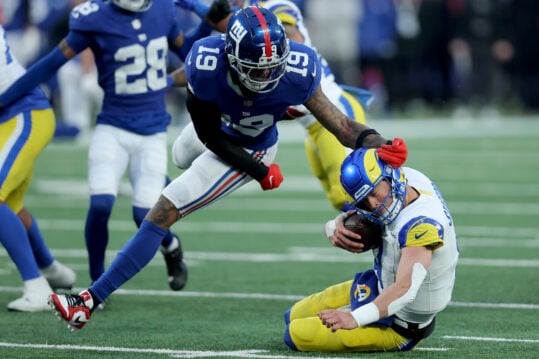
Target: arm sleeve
x,y
40,72
206,119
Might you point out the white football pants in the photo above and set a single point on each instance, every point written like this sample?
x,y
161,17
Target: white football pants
x,y
114,150
207,178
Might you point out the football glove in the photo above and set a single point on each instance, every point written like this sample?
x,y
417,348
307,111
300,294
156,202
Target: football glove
x,y
273,179
394,153
292,113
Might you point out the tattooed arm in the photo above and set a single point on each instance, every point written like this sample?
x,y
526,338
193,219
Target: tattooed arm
x,y
345,129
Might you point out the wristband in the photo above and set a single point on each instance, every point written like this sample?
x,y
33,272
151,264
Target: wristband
x,y
366,314
330,228
363,134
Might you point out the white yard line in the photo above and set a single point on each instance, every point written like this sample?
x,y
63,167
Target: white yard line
x,y
246,353
267,296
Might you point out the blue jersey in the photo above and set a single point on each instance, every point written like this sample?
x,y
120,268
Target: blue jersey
x,y
251,121
130,51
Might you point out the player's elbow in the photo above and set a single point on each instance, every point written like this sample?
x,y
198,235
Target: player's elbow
x,y
405,291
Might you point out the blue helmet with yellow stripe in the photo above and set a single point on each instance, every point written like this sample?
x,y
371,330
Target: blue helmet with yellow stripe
x,y
361,171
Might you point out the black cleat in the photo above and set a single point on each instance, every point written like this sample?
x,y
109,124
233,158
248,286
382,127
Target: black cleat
x,y
176,267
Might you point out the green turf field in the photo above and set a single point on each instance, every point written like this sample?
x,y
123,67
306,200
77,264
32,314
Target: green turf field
x,y
253,254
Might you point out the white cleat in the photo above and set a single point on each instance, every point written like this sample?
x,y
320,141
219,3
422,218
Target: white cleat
x,y
59,276
34,298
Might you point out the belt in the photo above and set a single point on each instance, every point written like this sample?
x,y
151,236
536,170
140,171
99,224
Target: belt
x,y
415,331
408,325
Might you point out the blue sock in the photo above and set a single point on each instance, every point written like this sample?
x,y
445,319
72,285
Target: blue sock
x,y
138,216
96,232
42,253
15,240
134,255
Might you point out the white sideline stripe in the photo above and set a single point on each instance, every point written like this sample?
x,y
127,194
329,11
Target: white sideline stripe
x,y
265,296
249,353
291,228
75,190
297,254
252,353
323,255
483,339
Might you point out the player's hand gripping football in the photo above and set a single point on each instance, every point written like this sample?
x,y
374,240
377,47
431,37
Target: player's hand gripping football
x,y
394,153
273,179
341,237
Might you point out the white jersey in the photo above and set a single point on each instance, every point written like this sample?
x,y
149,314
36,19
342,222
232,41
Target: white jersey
x,y
10,68
424,222
10,71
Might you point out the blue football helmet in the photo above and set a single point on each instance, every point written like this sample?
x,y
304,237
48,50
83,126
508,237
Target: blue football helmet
x,y
361,171
257,48
133,5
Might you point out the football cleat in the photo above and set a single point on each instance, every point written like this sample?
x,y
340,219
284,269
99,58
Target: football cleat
x,y
34,298
59,276
176,267
74,309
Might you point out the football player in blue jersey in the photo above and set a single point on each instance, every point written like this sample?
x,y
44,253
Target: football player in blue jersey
x,y
129,40
324,152
391,307
26,127
239,85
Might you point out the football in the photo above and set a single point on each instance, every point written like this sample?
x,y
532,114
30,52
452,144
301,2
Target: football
x,y
371,233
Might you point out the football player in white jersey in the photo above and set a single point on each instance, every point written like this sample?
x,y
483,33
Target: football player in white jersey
x,y
393,306
26,127
239,86
324,151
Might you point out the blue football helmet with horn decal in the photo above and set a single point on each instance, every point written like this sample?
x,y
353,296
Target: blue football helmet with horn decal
x,y
361,171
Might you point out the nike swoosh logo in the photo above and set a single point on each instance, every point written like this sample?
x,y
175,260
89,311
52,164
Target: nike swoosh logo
x,y
271,181
314,72
417,236
189,59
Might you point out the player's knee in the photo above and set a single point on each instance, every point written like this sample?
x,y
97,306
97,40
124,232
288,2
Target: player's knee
x,y
179,157
304,334
186,148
